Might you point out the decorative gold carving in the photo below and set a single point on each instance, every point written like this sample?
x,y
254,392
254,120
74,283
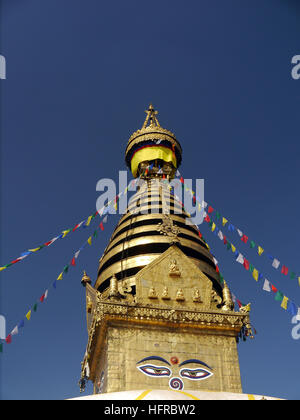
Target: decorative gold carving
x,y
168,228
245,309
174,269
114,289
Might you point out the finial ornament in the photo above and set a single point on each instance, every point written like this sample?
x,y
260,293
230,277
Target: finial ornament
x,y
228,304
85,279
151,118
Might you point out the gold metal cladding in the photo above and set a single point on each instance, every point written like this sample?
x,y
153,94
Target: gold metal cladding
x,y
127,221
145,240
151,228
142,260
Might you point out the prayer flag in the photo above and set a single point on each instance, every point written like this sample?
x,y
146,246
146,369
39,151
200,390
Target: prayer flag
x,y
276,263
260,250
284,302
244,239
224,221
267,287
284,270
255,274
89,240
28,315
246,264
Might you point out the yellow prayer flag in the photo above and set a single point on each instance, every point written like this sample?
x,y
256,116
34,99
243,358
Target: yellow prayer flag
x,y
233,248
28,315
299,281
90,240
284,302
2,268
60,276
213,227
34,250
260,250
224,221
255,274
199,207
88,220
116,206
65,232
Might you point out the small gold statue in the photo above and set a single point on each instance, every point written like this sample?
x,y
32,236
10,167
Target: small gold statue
x,y
165,294
152,293
174,269
197,297
180,295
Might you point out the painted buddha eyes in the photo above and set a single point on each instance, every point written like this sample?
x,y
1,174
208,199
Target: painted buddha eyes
x,y
175,383
153,370
195,373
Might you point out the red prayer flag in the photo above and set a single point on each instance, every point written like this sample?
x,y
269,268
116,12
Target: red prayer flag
x,y
8,339
217,269
15,261
244,238
101,226
42,298
285,270
210,209
246,264
182,180
207,218
239,303
75,227
48,243
274,289
225,240
73,262
200,234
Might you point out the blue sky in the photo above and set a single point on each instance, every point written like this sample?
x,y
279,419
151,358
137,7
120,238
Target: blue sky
x,y
80,74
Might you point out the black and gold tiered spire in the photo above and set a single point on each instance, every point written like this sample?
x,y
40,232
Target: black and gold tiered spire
x,y
152,153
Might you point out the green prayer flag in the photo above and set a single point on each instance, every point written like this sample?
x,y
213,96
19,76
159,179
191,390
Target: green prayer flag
x,y
1,348
218,216
66,268
279,296
252,244
228,246
293,275
35,307
251,268
221,279
211,223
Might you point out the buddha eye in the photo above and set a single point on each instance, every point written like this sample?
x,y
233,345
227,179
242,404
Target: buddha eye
x,y
195,374
153,370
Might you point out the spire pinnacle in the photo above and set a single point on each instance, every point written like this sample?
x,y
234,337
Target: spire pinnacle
x,y
151,117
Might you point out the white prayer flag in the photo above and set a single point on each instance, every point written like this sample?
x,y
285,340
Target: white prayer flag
x,y
240,259
220,235
15,331
275,263
46,294
267,287
240,232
